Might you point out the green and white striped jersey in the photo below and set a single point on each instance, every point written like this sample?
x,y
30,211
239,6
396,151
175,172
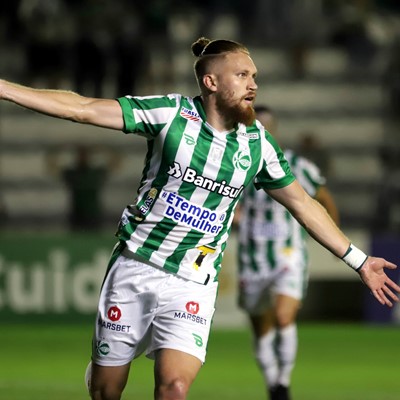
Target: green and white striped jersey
x,y
192,180
267,229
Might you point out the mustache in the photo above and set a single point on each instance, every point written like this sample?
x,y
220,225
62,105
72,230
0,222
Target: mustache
x,y
250,95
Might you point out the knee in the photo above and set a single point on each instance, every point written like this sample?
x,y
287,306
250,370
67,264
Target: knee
x,y
176,389
286,315
284,318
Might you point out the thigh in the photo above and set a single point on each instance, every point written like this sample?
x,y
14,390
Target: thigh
x,y
184,317
262,323
286,309
293,278
255,295
125,312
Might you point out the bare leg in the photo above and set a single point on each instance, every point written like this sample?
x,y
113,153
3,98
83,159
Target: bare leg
x,y
108,383
286,310
174,373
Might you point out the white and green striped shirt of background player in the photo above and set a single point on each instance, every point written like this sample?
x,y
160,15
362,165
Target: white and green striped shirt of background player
x,y
267,228
192,180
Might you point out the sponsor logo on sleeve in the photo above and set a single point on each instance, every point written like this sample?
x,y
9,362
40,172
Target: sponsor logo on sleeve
x,y
189,114
148,202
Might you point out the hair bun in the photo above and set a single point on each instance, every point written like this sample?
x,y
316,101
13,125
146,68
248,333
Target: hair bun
x,y
199,45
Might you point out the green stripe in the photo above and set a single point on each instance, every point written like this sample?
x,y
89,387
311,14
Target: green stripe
x,y
150,149
265,180
289,222
270,251
120,246
170,149
225,173
128,104
203,145
155,240
251,248
271,254
252,251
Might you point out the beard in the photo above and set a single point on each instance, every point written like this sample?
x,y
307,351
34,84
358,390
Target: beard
x,y
235,111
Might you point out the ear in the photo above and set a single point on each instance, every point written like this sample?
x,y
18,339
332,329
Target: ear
x,y
210,82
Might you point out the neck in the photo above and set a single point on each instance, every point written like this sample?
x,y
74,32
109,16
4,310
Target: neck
x,y
214,118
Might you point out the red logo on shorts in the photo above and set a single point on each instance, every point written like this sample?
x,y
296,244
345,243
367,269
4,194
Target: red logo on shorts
x,y
192,307
114,313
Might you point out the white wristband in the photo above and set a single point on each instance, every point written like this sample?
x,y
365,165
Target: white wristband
x,y
354,257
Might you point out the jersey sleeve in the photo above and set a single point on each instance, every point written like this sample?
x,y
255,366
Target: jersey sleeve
x,y
275,172
147,116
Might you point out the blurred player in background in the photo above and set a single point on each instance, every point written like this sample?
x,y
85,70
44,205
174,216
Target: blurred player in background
x,y
84,180
160,287
273,273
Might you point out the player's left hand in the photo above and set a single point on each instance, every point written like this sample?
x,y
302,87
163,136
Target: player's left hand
x,y
382,287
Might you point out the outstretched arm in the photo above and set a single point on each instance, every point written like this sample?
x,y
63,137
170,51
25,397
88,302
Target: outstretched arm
x,y
65,104
321,227
324,197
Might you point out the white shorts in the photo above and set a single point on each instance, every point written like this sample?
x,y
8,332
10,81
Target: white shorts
x,y
258,290
143,308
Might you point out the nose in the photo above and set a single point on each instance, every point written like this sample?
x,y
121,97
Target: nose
x,y
253,85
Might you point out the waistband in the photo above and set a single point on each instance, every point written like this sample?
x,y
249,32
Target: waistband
x,y
130,254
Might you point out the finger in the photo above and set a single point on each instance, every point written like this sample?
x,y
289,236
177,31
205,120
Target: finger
x,y
377,295
393,285
387,301
390,293
390,265
382,295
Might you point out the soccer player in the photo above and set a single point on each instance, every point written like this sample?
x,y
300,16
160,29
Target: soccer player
x,y
272,261
160,286
84,181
